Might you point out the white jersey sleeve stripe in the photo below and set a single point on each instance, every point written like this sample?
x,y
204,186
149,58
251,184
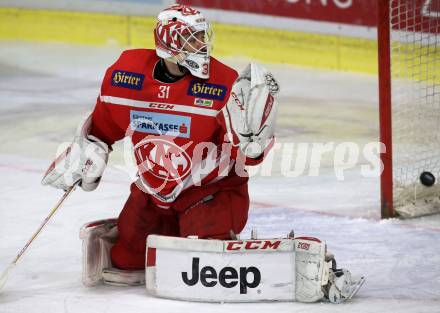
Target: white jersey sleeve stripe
x,y
169,107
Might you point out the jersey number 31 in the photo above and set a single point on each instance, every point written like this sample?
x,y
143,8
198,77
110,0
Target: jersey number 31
x,y
164,92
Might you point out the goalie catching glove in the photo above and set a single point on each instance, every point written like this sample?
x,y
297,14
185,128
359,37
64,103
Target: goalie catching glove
x,y
251,111
83,161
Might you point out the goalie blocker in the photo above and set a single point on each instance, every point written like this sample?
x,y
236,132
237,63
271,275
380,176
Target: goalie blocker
x,y
253,270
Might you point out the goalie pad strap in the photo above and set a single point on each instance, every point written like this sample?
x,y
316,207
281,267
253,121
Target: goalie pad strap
x,y
117,277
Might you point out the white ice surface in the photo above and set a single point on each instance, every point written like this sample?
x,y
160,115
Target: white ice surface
x,y
46,89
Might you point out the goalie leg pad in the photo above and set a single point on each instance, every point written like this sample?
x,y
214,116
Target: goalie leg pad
x,y
282,269
279,269
98,238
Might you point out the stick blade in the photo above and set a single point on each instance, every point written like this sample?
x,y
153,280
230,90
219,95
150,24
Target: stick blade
x,y
4,277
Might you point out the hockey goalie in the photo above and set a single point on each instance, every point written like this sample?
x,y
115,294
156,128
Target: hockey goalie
x,y
195,124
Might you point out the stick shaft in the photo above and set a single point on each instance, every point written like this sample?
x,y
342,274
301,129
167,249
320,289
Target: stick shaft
x,y
43,224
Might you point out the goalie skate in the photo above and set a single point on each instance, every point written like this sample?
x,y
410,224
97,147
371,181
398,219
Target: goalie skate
x,y
342,285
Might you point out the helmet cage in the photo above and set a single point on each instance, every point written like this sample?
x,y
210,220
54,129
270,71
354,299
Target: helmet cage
x,y
205,44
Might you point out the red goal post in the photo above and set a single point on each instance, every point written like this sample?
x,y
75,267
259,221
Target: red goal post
x,y
409,101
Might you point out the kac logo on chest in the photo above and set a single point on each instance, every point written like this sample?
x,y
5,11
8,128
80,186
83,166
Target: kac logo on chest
x,y
163,159
206,90
127,79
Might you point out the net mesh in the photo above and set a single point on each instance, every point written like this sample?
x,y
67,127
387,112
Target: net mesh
x,y
415,58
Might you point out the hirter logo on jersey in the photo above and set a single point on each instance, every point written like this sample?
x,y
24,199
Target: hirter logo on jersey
x,y
127,79
206,90
160,124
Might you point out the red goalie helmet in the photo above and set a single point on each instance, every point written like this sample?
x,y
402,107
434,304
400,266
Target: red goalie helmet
x,y
183,35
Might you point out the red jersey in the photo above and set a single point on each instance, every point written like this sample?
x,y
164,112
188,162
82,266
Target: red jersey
x,y
178,140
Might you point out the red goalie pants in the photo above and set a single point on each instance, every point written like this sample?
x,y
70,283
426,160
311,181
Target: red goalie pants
x,y
210,211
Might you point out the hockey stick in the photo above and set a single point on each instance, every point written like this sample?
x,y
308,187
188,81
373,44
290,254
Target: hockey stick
x,y
5,273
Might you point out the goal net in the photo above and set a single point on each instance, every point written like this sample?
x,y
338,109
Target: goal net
x,y
411,132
